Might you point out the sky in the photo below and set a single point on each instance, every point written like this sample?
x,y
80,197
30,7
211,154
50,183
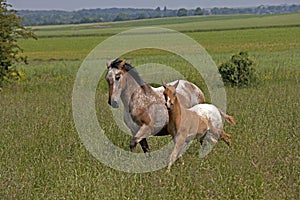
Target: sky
x,y
171,4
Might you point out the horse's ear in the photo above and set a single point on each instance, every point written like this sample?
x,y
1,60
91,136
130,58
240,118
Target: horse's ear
x,y
176,84
121,65
164,84
108,64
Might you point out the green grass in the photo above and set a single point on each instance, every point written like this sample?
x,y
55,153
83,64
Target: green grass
x,y
60,48
218,42
268,39
42,156
234,33
185,24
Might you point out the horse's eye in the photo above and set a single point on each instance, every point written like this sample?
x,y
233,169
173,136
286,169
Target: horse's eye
x,y
118,78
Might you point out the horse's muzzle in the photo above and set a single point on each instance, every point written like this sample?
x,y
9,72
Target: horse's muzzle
x,y
113,104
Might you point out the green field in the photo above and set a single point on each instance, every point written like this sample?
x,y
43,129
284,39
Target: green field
x,y
42,156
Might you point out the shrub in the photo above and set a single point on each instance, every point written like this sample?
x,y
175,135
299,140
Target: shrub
x,y
239,70
11,53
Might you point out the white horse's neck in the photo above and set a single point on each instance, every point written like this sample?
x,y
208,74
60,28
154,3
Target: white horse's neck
x,y
131,87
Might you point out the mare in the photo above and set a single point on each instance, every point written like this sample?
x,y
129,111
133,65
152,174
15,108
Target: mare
x,y
186,124
145,113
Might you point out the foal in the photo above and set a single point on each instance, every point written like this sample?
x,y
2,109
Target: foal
x,y
186,124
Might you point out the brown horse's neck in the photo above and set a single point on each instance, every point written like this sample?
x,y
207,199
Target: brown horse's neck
x,y
175,115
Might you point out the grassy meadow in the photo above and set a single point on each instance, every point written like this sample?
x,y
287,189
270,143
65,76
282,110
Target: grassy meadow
x,y
42,156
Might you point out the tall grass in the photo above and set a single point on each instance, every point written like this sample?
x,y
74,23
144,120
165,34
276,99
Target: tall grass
x,y
43,157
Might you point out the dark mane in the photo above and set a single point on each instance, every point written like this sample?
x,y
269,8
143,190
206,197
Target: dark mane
x,y
132,71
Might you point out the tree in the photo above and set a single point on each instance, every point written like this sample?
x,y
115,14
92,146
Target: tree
x,y
10,52
198,11
182,12
239,70
142,16
121,17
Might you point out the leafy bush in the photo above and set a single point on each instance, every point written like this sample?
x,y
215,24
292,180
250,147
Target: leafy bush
x,y
239,70
10,52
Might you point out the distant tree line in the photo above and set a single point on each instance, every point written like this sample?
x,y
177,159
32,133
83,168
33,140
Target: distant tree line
x,y
51,17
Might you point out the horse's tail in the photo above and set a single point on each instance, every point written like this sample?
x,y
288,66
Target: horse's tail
x,y
230,119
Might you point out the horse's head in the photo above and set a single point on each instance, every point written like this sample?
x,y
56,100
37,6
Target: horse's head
x,y
120,77
115,80
170,95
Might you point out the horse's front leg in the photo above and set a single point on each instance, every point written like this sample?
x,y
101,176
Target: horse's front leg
x,y
134,129
140,136
179,145
183,149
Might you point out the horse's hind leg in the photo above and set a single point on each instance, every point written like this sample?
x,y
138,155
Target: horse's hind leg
x,y
208,142
226,138
144,145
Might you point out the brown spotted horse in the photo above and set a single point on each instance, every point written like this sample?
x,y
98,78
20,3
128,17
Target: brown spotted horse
x,y
145,113
186,124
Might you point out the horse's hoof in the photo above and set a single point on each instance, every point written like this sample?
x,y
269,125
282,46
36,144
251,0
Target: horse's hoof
x,y
229,142
181,160
133,144
148,155
146,150
168,169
